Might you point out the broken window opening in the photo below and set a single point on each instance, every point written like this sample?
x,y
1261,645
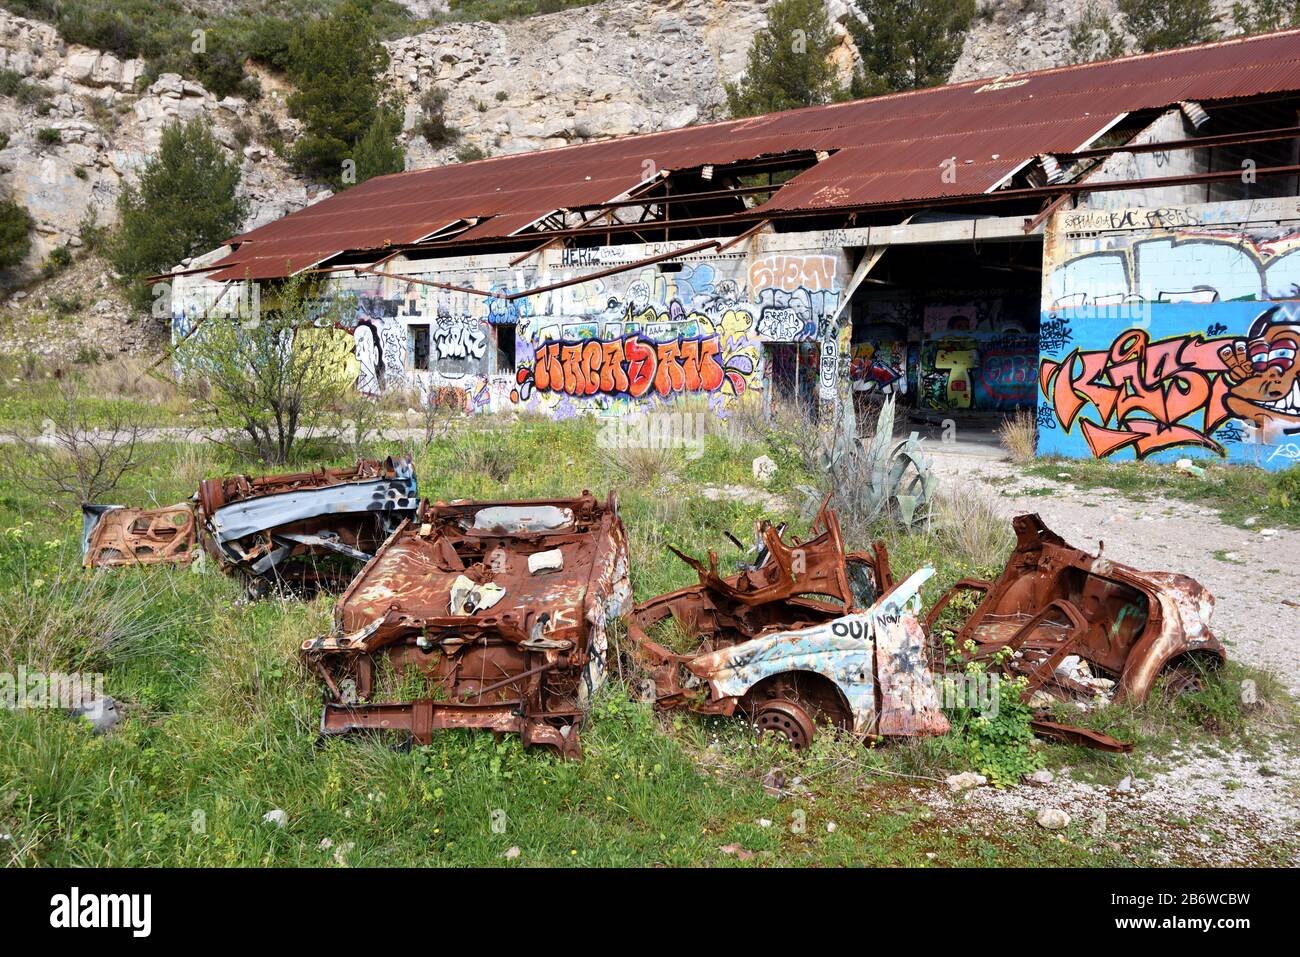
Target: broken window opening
x,y
418,346
504,335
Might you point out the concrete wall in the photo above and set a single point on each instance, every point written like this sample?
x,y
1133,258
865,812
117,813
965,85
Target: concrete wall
x,y
639,338
1144,313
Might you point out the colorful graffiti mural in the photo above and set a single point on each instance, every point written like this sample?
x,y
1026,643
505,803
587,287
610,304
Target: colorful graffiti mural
x,y
632,367
968,367
1159,391
1159,337
649,335
879,367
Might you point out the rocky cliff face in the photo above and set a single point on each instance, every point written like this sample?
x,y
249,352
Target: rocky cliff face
x,y
624,66
617,67
69,151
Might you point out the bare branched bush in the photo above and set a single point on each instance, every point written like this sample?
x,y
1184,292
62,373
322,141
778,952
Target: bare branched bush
x,y
361,420
796,417
747,420
74,454
276,376
1019,436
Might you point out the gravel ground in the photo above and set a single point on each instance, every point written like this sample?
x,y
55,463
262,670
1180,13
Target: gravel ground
x,y
1196,805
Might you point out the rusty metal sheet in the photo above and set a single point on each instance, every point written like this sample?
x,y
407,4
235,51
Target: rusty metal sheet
x,y
113,535
885,149
305,528
1055,605
1084,737
497,613
909,702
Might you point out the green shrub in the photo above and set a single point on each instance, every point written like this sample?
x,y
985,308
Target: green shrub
x,y
378,153
432,124
48,136
335,64
185,203
907,45
15,233
60,258
789,63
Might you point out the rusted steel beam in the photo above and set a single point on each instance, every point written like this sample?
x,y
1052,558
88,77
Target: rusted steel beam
x,y
1197,142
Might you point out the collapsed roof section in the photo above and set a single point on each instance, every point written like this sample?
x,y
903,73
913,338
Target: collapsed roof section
x,y
933,146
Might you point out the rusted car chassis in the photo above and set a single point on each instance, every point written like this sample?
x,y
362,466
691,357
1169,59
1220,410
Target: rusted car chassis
x,y
496,615
1054,602
802,635
479,615
304,528
806,635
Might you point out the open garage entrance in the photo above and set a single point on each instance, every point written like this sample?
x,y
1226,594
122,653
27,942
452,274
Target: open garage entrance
x,y
951,329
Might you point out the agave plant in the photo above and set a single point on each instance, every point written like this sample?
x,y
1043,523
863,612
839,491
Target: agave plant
x,y
881,478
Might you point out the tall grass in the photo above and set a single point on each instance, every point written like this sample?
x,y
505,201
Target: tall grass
x,y
1018,434
59,617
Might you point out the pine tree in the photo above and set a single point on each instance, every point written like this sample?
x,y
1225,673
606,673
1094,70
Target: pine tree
x,y
185,203
1162,24
378,152
908,44
15,233
335,65
789,63
1260,16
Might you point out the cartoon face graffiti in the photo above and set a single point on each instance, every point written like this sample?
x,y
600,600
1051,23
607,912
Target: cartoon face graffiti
x,y
1265,377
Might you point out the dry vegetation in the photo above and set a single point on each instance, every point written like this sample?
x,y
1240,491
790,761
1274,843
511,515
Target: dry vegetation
x,y
1019,436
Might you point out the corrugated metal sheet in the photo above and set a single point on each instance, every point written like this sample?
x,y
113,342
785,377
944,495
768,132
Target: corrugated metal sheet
x,y
886,149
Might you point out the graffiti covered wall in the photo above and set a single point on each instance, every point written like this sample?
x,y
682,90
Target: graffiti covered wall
x,y
1172,332
947,350
648,336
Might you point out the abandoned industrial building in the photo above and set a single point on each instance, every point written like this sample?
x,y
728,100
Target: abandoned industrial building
x,y
1112,244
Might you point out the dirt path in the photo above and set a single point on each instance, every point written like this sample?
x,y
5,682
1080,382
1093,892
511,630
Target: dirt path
x,y
1199,805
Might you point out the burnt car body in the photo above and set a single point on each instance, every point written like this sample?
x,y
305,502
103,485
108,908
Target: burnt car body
x,y
498,614
1053,601
303,528
113,535
294,527
803,635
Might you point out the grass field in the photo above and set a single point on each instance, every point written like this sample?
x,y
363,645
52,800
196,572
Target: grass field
x,y
221,720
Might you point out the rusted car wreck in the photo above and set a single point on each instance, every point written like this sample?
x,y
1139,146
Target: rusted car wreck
x,y
479,615
497,615
1082,627
802,635
301,529
806,634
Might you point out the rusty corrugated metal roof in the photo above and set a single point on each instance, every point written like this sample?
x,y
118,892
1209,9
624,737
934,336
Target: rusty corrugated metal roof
x,y
886,149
